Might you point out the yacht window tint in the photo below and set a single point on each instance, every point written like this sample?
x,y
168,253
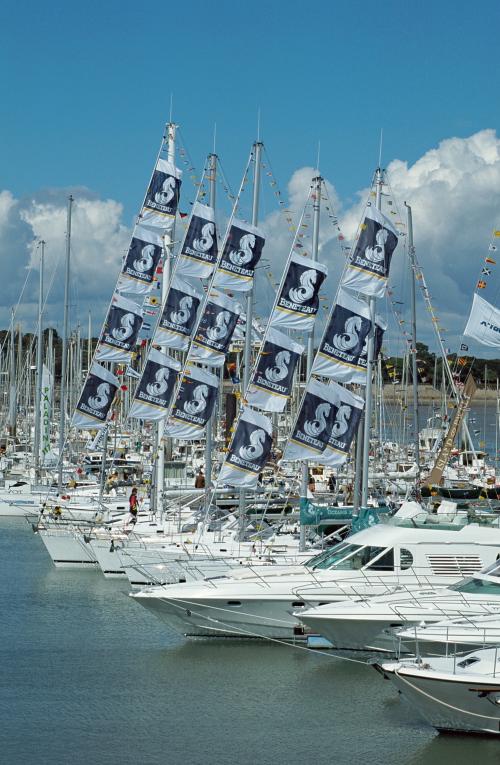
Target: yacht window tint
x,y
477,586
383,563
467,662
406,559
333,555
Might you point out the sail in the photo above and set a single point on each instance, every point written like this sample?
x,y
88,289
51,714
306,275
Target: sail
x,y
213,336
484,323
298,301
436,473
370,262
46,410
242,252
314,423
271,383
349,409
95,399
137,274
178,318
342,353
194,404
199,249
153,394
248,452
119,334
162,197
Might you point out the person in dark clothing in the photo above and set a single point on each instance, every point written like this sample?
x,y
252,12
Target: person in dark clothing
x,y
199,481
133,505
332,483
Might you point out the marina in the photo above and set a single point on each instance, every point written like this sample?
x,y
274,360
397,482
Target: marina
x,y
250,384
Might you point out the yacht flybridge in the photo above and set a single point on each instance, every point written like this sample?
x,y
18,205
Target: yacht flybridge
x,y
372,624
269,603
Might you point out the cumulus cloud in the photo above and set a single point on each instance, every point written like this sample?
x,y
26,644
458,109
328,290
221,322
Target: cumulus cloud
x,y
453,190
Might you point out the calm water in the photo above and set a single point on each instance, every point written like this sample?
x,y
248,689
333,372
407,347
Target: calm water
x,y
88,676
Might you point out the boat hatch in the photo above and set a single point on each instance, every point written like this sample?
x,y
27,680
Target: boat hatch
x,y
468,661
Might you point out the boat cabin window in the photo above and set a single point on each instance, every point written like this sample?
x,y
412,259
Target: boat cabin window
x,y
468,661
406,559
493,569
477,587
353,557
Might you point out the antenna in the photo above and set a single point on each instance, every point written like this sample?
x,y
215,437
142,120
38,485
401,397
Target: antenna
x,y
318,156
380,147
258,124
171,105
215,135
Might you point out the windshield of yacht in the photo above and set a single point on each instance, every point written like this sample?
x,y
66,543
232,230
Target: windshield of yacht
x,y
347,556
477,587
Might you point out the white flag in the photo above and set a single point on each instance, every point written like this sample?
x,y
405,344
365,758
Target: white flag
x,y
194,404
120,331
484,322
271,383
342,353
199,250
298,301
154,392
215,330
248,452
162,197
95,399
178,318
46,410
139,267
370,262
241,254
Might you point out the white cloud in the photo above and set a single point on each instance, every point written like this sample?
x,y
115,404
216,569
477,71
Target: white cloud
x,y
454,191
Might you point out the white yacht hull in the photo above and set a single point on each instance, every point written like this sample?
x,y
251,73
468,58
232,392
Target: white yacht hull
x,y
67,549
453,703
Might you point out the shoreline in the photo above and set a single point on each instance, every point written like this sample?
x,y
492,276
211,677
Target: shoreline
x,y
427,393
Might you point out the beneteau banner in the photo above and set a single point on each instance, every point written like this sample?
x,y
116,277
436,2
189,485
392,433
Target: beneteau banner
x,y
248,451
271,383
213,337
178,317
348,411
370,262
298,300
95,400
314,423
341,351
153,394
484,323
162,197
199,251
142,259
194,404
241,254
119,334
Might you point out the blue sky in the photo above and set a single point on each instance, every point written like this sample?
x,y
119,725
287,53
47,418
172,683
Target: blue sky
x,y
89,84
86,91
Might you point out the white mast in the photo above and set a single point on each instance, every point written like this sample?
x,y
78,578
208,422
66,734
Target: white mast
x,y
411,256
317,181
12,380
157,494
39,363
64,357
212,169
369,370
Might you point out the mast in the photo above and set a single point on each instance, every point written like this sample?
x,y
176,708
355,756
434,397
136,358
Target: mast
x,y
39,363
249,312
157,494
212,169
310,342
369,370
411,256
64,357
12,379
